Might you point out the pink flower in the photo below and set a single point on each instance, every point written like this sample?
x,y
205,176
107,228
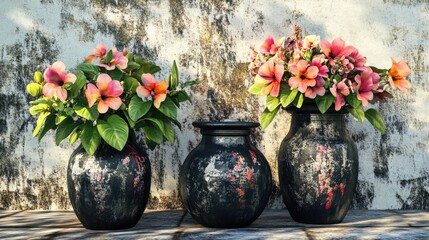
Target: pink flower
x,y
118,60
335,50
357,60
152,88
305,76
366,84
55,78
269,46
273,74
398,74
310,42
339,91
106,92
97,52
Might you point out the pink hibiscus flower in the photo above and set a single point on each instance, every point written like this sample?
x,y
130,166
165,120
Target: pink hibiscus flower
x,y
271,73
118,60
340,90
305,76
106,92
335,50
269,46
398,74
157,90
366,84
97,52
55,78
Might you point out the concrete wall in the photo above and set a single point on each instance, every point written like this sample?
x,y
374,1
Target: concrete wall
x,y
209,40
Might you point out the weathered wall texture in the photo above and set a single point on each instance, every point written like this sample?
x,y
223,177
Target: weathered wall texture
x,y
209,40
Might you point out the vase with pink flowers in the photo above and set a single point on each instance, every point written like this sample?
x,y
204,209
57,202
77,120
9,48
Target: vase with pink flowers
x,y
102,102
319,82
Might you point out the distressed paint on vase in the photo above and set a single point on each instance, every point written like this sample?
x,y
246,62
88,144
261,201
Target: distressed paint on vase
x,y
318,166
109,190
225,181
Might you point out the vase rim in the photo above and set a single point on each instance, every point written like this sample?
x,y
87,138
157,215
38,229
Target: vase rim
x,y
225,128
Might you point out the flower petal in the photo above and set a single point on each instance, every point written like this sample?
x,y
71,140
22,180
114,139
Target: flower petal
x,y
161,87
158,99
59,67
326,47
312,72
267,70
113,102
279,71
103,81
266,45
149,81
337,46
102,106
49,89
276,89
61,93
114,89
142,92
92,94
70,78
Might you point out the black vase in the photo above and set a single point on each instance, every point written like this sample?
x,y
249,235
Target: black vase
x,y
318,166
225,182
110,189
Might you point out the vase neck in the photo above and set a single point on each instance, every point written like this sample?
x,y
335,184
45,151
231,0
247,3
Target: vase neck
x,y
322,123
225,140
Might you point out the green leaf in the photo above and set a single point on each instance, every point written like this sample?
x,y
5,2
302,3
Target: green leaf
x,y
69,111
173,80
151,144
378,70
168,108
357,113
138,108
38,77
146,67
168,131
74,137
256,88
78,84
41,100
375,119
114,131
190,83
86,112
40,122
267,117
132,66
39,108
90,138
324,102
115,74
272,102
89,69
286,99
49,124
130,57
131,122
108,57
300,100
130,84
353,101
152,133
65,128
34,89
60,118
181,96
157,123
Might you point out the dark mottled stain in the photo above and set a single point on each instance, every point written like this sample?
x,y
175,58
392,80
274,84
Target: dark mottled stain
x,y
406,2
259,21
419,195
363,196
68,21
178,16
18,62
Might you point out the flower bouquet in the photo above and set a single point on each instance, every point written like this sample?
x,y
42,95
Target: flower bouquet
x,y
294,70
108,94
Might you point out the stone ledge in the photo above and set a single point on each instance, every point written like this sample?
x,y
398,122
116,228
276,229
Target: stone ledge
x,y
175,224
